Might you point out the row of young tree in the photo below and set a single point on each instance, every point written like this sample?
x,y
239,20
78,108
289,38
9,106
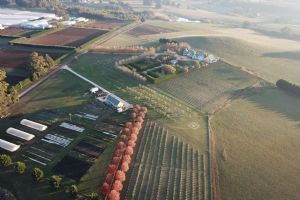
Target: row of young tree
x,y
119,166
289,87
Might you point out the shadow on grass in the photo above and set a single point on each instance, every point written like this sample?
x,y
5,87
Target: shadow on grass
x,y
275,100
293,55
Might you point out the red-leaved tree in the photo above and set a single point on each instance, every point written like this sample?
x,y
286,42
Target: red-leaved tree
x,y
125,166
105,189
118,186
109,178
129,151
114,195
112,169
120,175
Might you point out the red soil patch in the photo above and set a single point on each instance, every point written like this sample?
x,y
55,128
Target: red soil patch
x,y
11,31
148,30
71,36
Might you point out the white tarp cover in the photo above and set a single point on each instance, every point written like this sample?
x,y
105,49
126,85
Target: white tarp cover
x,y
34,125
8,146
20,134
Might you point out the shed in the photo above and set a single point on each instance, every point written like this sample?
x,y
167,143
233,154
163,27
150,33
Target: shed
x,y
20,134
8,146
34,125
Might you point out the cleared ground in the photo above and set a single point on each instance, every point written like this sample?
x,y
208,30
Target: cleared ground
x,y
258,147
148,30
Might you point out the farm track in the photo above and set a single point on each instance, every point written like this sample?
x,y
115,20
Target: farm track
x,y
83,51
166,168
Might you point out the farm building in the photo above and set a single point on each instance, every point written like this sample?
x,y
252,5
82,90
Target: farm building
x,y
115,102
211,59
34,125
20,134
94,90
37,25
8,146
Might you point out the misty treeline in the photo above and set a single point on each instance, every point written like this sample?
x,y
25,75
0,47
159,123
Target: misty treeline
x,y
289,87
31,3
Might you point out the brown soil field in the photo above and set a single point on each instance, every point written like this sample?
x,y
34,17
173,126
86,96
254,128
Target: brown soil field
x,y
148,30
11,31
72,36
17,58
104,25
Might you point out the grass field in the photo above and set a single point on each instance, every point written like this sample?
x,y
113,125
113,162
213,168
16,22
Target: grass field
x,y
269,65
207,87
260,136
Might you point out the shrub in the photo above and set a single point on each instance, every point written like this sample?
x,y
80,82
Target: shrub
x,y
5,160
20,167
37,174
55,181
73,190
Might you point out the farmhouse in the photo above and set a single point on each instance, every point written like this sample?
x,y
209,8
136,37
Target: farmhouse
x,y
20,134
115,102
8,146
196,55
33,125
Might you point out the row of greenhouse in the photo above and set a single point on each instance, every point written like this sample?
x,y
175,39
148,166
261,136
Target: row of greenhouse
x,y
11,147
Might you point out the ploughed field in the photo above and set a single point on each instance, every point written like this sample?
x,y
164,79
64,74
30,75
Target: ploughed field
x,y
148,30
11,31
72,36
104,24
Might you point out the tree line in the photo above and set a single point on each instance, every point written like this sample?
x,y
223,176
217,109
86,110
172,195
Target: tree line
x,y
37,66
289,87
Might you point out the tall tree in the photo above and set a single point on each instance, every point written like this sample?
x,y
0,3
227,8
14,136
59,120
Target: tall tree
x,y
4,100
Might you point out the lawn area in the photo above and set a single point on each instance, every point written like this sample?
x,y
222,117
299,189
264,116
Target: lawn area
x,y
209,86
56,92
260,137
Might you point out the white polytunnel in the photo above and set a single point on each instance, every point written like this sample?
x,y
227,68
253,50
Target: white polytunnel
x,y
8,146
34,125
20,134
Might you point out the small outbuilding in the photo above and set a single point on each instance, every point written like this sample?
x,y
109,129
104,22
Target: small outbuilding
x,y
94,90
33,125
8,146
20,134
